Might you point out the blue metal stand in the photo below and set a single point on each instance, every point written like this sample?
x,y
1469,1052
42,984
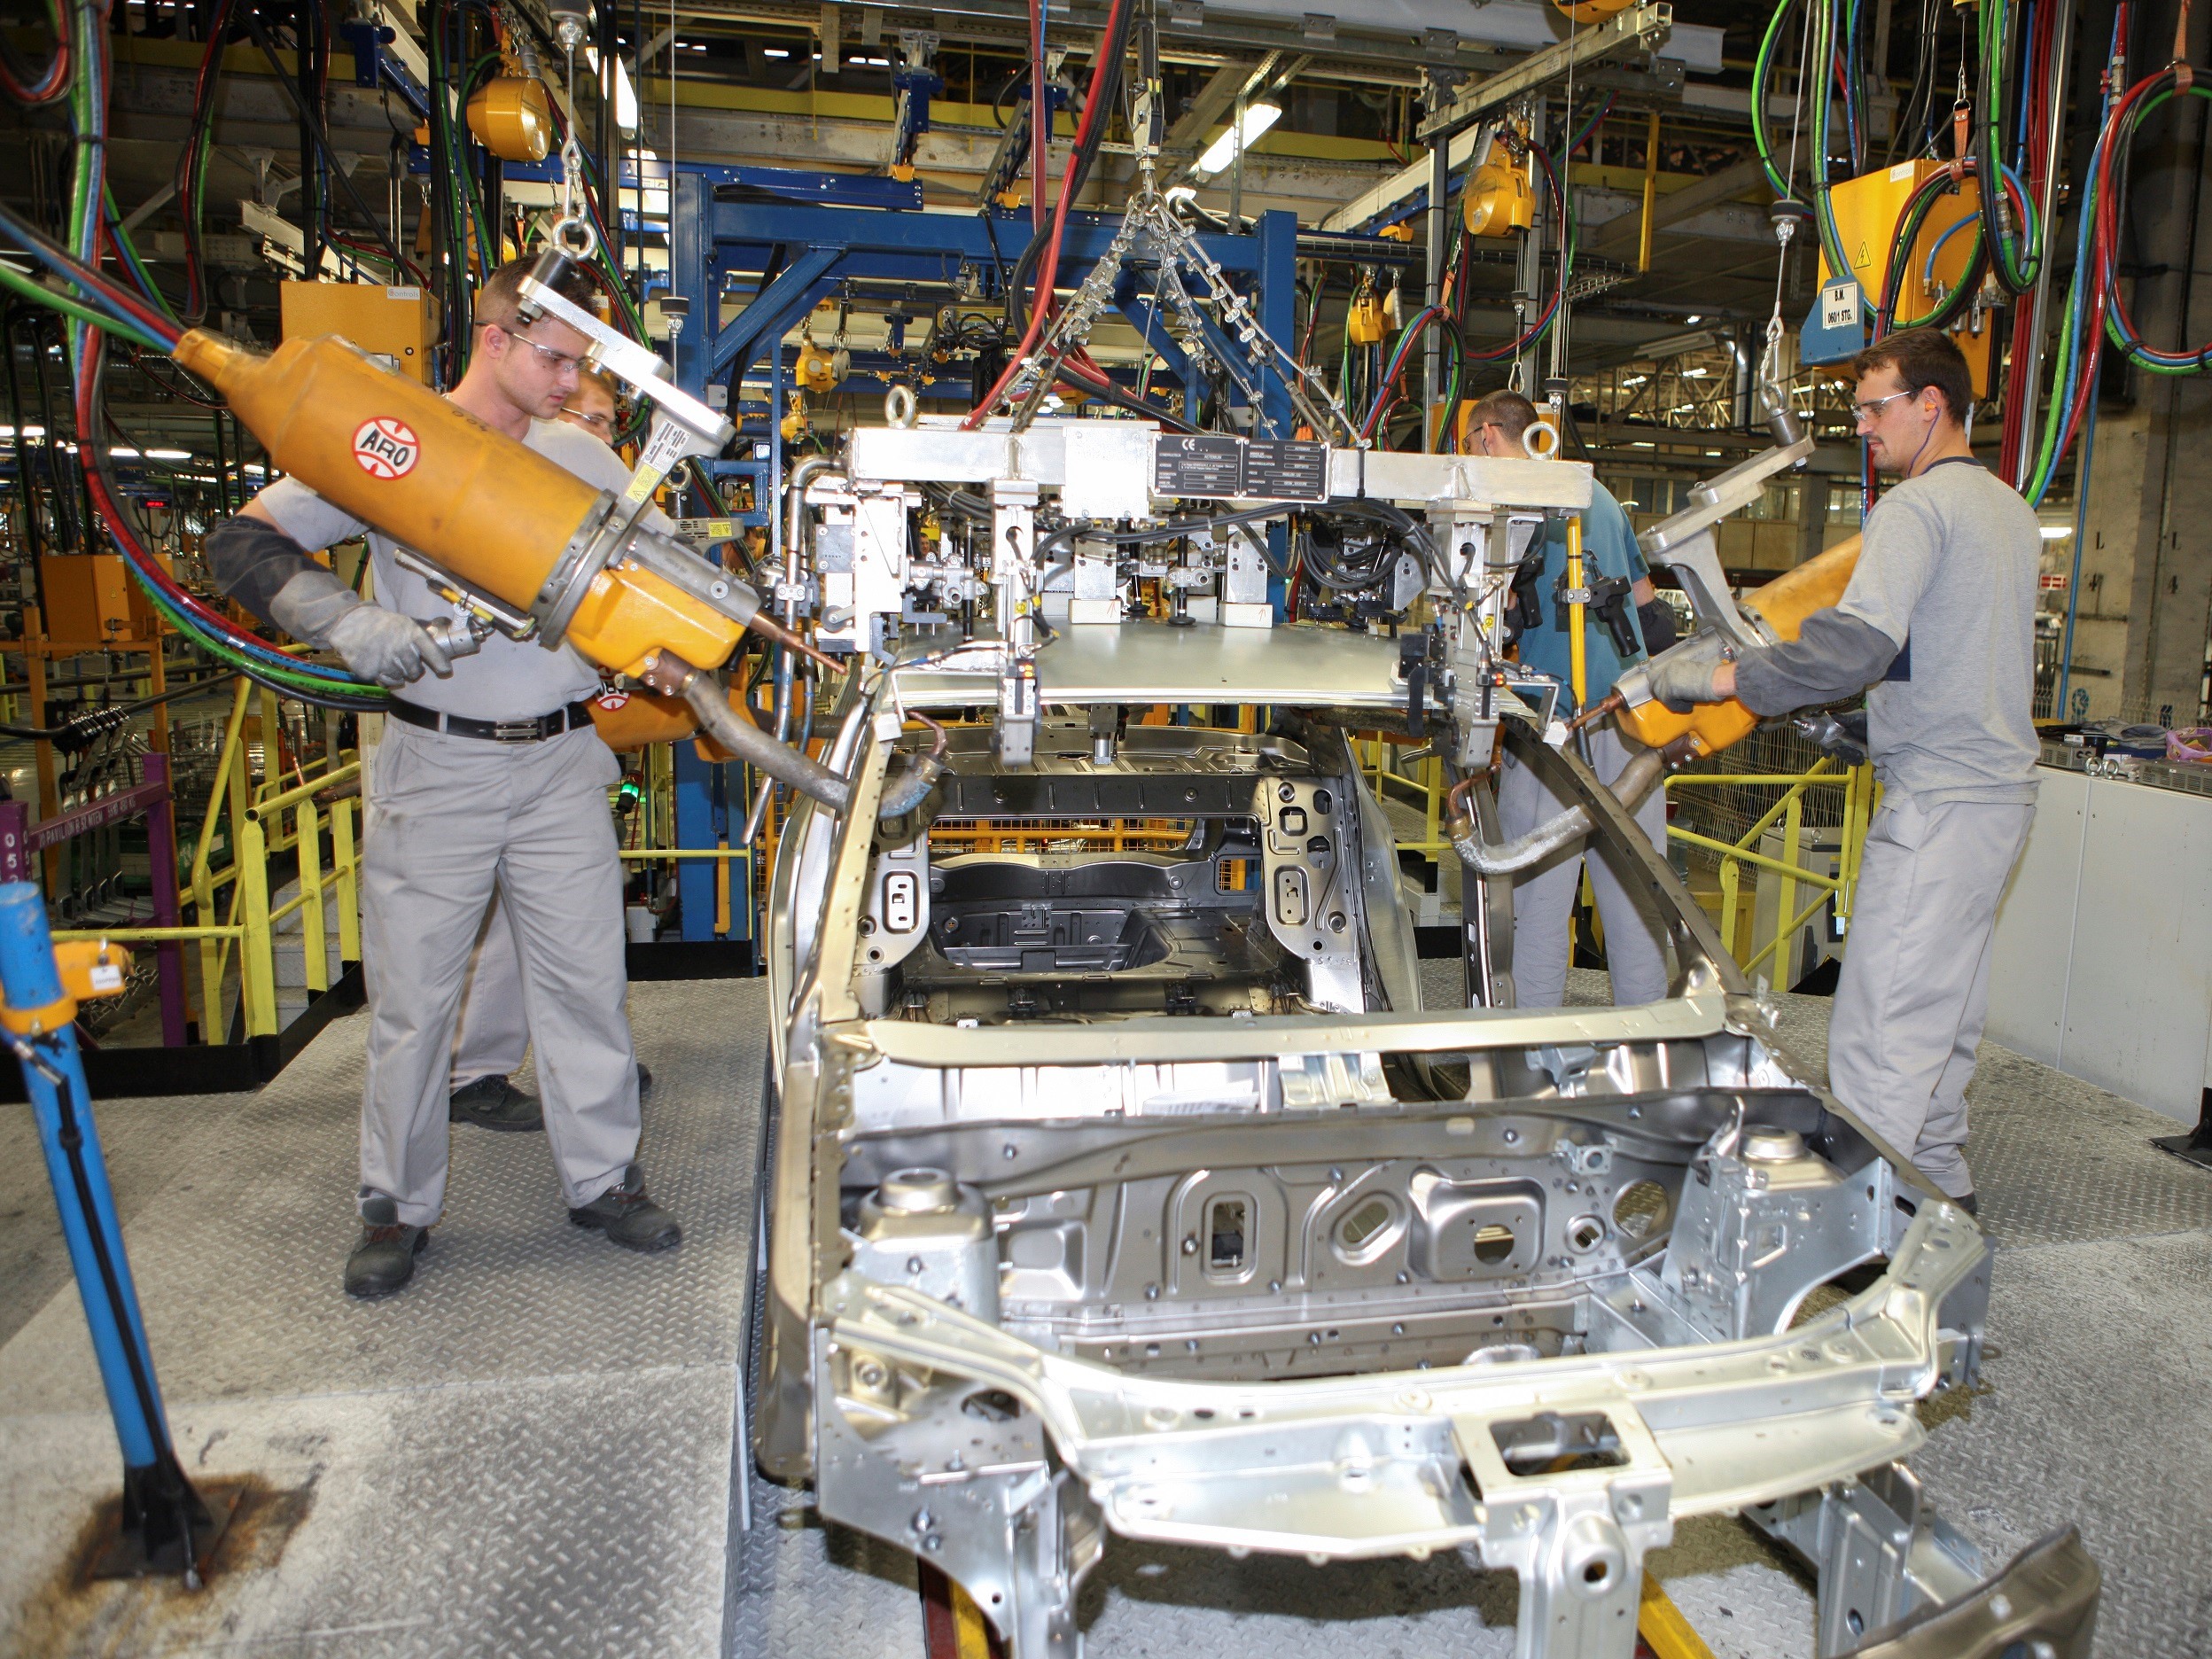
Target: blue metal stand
x,y
166,1527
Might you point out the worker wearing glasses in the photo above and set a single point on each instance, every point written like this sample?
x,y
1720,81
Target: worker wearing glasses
x,y
1937,627
1629,616
487,778
593,405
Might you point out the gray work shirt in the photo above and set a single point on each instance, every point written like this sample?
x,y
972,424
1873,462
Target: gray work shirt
x,y
507,679
1949,571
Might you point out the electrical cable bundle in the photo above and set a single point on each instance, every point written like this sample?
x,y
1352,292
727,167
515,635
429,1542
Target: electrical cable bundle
x,y
191,162
99,308
27,87
2095,310
1090,132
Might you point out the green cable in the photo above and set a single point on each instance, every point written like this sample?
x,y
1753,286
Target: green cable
x,y
38,292
129,250
1823,210
1760,70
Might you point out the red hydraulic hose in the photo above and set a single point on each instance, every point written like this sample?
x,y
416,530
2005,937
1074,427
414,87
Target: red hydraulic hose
x,y
1049,268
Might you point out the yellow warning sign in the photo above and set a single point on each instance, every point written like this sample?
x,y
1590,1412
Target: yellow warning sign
x,y
1863,258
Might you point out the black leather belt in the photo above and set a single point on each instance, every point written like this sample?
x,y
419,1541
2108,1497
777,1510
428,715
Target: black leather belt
x,y
575,717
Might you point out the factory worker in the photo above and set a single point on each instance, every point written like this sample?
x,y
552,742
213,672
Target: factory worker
x,y
492,1034
1937,627
488,778
1544,897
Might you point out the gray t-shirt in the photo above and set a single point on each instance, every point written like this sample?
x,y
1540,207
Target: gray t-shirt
x,y
1948,571
507,679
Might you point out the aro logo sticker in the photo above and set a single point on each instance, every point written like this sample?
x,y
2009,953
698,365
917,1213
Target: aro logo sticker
x,y
385,448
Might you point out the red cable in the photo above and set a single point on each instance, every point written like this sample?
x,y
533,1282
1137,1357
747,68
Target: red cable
x,y
56,80
1050,267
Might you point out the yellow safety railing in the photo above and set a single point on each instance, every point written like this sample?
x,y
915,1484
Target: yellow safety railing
x,y
1380,759
252,823
1860,792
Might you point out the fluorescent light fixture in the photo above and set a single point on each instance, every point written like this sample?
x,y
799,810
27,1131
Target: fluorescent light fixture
x,y
1258,118
1640,444
1635,380
28,431
1696,374
121,454
169,455
625,95
2057,533
1693,319
1712,455
776,52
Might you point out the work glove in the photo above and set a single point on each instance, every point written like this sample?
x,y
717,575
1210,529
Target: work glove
x,y
316,608
386,647
1683,677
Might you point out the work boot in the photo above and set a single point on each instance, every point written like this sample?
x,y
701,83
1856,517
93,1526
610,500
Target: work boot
x,y
492,1102
384,1259
644,1080
1969,1204
626,1216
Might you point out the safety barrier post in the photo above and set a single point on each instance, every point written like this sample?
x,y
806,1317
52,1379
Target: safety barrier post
x,y
257,987
317,947
1728,881
348,864
161,869
1793,825
167,1528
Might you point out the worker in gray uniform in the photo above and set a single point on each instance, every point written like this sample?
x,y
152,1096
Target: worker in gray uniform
x,y
1937,626
488,777
493,1033
1544,897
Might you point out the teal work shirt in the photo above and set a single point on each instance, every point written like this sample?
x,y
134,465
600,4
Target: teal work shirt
x,y
1608,548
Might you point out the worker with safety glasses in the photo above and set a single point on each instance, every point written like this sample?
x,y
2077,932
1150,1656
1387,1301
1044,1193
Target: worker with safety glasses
x,y
488,777
1937,627
1626,614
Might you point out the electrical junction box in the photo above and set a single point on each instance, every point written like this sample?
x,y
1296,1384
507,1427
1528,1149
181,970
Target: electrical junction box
x,y
1867,211
91,598
395,325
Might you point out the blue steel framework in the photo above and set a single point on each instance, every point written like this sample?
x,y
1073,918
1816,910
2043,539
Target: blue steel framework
x,y
797,254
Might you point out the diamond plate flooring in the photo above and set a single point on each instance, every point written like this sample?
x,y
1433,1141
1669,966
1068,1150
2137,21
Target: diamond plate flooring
x,y
530,1452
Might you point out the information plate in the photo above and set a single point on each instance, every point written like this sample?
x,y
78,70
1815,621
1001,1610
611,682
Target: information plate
x,y
1204,464
1282,469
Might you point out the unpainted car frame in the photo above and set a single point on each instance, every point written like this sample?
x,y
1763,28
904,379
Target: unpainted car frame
x,y
995,1330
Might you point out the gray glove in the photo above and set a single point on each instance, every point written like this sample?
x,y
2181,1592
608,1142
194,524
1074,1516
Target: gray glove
x,y
1683,677
386,647
316,608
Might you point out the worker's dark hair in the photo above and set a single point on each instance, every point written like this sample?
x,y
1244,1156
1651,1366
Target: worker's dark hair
x,y
496,299
1501,408
1923,358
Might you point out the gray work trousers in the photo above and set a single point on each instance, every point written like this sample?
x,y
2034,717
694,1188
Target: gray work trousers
x,y
450,821
1544,897
494,1032
1914,993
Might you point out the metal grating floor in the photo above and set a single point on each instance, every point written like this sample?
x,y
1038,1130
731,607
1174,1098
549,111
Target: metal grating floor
x,y
530,1450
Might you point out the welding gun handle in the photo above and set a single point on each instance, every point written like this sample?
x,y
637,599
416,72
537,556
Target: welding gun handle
x,y
455,638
